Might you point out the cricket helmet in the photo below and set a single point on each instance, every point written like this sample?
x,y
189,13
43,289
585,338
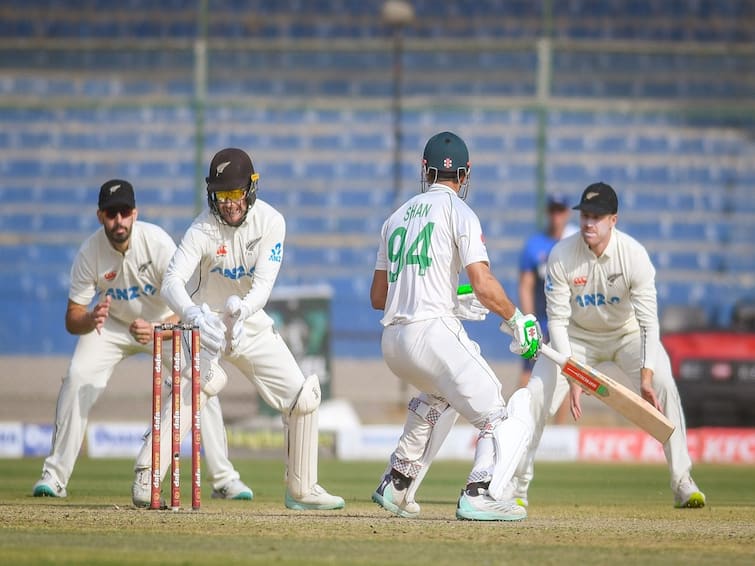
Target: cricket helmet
x,y
230,169
446,157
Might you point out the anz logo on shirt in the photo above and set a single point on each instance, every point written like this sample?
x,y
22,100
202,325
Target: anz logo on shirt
x,y
276,254
596,300
234,272
130,293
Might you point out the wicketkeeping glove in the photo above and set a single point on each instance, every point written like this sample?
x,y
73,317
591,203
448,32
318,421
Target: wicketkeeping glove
x,y
470,308
527,336
236,312
211,328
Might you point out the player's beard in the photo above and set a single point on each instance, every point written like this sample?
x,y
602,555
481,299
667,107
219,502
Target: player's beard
x,y
118,234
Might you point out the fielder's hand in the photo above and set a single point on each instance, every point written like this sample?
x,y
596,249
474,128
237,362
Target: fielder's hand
x,y
470,308
211,328
527,336
100,312
236,312
142,331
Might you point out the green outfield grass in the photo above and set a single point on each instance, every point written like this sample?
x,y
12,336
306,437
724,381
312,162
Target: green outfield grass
x,y
579,514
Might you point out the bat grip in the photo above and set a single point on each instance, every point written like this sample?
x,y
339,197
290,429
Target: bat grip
x,y
464,290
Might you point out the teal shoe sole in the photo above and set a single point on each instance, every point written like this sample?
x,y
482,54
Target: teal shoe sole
x,y
392,507
485,516
44,491
298,506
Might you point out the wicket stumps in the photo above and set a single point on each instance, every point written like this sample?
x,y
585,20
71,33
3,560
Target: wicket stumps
x,y
178,331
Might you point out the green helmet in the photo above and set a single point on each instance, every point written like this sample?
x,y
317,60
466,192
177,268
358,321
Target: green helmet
x,y
446,157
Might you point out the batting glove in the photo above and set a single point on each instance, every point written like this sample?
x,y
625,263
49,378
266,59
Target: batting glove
x,y
211,328
236,312
527,336
470,308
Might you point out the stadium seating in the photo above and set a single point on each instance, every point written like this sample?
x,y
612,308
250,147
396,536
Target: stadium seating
x,y
318,123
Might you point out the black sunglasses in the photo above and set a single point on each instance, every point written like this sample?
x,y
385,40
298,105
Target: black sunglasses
x,y
124,211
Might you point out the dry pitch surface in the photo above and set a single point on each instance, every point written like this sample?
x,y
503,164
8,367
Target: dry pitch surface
x,y
579,514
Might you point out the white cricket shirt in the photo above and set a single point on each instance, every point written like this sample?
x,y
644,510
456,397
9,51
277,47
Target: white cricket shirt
x,y
423,246
242,261
611,294
132,279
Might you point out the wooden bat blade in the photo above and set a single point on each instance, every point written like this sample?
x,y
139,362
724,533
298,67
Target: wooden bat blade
x,y
620,398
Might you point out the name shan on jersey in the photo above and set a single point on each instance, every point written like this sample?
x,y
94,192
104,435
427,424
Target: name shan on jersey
x,y
417,211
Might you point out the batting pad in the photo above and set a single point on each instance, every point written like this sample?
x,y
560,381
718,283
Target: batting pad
x,y
438,434
511,438
302,440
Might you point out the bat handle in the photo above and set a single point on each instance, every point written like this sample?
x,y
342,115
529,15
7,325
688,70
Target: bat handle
x,y
464,290
553,355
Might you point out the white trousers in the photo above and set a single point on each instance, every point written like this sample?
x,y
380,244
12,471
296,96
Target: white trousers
x,y
624,352
437,357
91,367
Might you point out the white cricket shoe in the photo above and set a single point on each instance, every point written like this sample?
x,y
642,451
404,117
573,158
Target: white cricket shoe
x,y
688,495
234,489
482,507
48,486
318,499
516,493
141,489
391,496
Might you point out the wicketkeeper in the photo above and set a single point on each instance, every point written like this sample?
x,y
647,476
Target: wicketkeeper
x,y
236,248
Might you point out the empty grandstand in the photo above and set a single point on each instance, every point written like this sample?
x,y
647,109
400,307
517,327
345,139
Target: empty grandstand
x,y
654,97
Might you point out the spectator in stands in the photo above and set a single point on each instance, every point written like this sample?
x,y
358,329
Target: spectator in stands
x,y
601,302
121,266
236,249
532,264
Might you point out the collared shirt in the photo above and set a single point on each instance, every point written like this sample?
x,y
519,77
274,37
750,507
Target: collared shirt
x,y
611,294
423,246
217,261
132,279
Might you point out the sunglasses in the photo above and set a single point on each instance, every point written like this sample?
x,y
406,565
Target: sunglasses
x,y
124,211
226,196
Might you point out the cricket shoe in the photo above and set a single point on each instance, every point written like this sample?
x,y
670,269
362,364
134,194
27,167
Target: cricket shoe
x,y
391,496
141,489
317,500
476,505
513,492
234,489
47,486
688,495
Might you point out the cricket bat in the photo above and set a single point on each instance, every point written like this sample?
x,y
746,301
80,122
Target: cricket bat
x,y
623,400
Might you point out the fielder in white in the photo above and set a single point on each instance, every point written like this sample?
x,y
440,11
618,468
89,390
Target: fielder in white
x,y
122,264
423,247
237,248
601,301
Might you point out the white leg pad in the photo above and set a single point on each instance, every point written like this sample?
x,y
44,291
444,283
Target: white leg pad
x,y
511,438
302,440
213,376
438,435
